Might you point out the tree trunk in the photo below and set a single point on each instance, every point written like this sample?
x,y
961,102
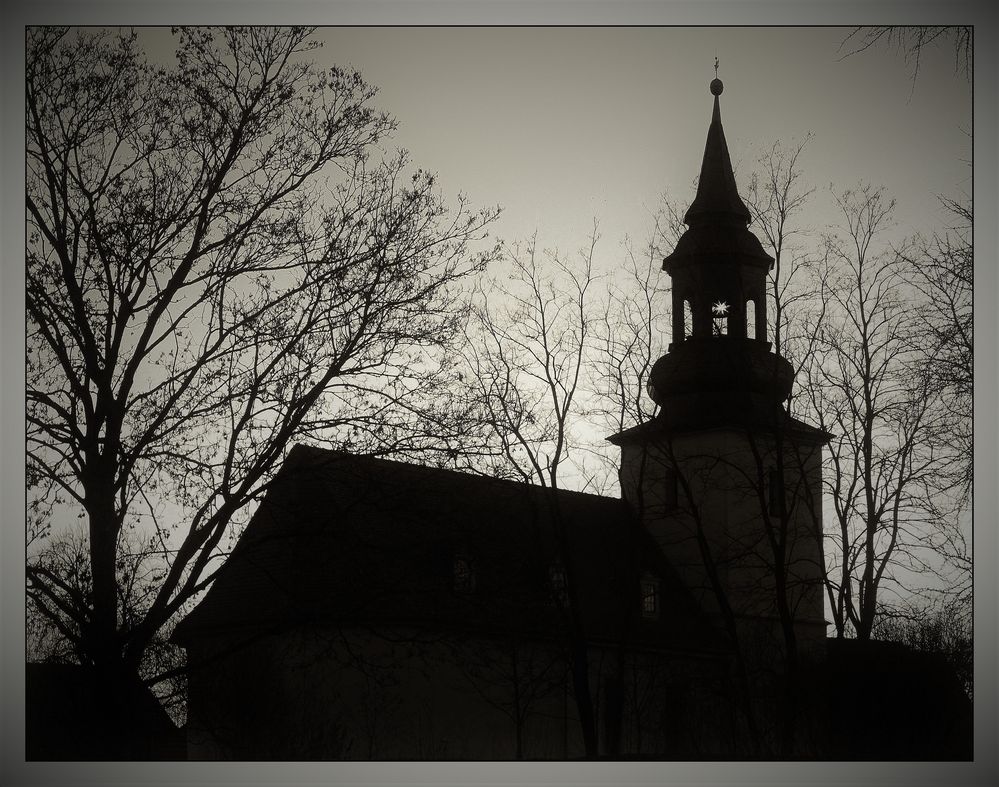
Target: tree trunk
x,y
110,715
584,699
100,637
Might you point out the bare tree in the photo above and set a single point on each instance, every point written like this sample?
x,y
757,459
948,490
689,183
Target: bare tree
x,y
633,326
942,269
527,360
518,677
867,388
912,40
216,267
776,195
944,274
941,628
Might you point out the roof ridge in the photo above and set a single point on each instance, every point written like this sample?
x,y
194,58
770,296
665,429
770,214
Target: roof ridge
x,y
300,448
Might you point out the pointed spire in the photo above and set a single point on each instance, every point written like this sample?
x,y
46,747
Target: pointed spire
x,y
717,195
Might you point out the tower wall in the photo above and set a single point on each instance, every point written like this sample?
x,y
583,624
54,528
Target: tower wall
x,y
713,500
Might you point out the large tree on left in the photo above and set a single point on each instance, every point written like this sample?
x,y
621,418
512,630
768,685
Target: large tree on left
x,y
220,259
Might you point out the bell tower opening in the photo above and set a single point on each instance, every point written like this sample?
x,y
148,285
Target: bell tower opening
x,y
719,318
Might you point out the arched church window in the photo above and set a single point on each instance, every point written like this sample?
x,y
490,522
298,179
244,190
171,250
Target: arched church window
x,y
558,585
650,596
719,315
463,573
688,319
751,319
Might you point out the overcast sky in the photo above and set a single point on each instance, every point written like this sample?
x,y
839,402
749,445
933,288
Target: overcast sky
x,y
561,125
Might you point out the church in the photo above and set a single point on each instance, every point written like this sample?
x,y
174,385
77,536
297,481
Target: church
x,y
374,609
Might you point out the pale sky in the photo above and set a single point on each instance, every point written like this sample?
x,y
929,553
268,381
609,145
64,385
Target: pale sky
x,y
561,125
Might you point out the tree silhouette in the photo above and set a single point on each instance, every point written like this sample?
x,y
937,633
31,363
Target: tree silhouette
x,y
526,365
217,265
912,40
868,385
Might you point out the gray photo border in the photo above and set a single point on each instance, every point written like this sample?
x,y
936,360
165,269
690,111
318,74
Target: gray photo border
x,y
18,13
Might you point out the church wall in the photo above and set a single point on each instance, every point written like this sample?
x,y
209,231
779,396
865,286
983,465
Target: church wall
x,y
328,694
315,694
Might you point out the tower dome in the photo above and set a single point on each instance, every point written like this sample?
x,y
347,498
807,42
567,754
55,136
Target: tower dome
x,y
719,366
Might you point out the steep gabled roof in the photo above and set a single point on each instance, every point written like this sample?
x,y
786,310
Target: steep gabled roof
x,y
717,197
717,220
349,540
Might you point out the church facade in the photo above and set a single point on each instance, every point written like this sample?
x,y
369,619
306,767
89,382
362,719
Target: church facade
x,y
374,609
380,610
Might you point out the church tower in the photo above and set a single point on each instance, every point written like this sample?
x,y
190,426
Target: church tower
x,y
725,479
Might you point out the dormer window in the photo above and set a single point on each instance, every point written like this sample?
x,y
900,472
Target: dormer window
x,y
558,585
463,574
650,596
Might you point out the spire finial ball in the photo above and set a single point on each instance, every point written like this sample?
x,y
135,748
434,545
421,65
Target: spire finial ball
x,y
716,87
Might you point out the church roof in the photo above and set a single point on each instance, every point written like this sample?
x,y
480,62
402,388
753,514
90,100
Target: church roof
x,y
352,540
717,220
717,196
